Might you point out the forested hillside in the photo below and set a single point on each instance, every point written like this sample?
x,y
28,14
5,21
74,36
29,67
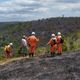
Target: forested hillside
x,y
69,26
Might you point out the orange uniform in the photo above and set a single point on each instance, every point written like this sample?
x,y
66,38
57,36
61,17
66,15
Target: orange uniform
x,y
59,45
8,51
52,43
32,41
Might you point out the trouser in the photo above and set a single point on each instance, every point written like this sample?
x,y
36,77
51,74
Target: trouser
x,y
32,50
59,48
24,50
8,54
53,49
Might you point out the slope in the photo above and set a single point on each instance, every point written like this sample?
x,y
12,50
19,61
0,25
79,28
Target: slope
x,y
65,67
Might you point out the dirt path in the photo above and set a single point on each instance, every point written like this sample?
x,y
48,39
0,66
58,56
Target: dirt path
x,y
65,67
7,61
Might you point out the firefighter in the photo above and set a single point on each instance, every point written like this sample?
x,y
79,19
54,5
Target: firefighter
x,y
32,43
59,43
24,46
8,50
52,42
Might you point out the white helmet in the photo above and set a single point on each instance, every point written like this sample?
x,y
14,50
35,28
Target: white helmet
x,y
24,36
33,33
53,35
11,44
59,33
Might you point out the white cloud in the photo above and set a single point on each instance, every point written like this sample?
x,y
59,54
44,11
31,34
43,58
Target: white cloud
x,y
38,8
44,9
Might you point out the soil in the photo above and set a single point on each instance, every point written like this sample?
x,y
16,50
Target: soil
x,y
63,67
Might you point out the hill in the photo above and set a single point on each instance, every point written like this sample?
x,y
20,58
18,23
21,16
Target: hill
x,y
65,67
69,26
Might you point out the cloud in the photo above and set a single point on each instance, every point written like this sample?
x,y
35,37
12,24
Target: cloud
x,y
68,1
20,7
35,9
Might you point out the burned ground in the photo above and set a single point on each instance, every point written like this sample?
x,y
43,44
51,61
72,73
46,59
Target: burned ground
x,y
65,67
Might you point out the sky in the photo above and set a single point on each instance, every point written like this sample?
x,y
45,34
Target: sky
x,y
27,10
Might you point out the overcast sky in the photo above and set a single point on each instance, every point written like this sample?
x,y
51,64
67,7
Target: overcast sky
x,y
24,10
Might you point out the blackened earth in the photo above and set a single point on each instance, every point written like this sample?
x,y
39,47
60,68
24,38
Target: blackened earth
x,y
64,67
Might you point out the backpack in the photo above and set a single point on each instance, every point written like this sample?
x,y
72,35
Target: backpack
x,y
6,48
54,41
61,41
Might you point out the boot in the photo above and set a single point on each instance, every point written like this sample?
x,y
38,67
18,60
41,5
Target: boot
x,y
59,54
52,54
32,54
29,54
